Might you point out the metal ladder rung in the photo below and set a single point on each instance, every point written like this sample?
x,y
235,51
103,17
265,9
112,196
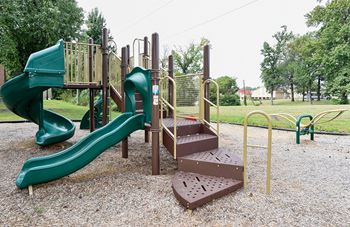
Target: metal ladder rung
x,y
256,146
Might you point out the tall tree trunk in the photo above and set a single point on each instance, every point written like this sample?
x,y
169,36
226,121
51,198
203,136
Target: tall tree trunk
x,y
310,94
318,88
303,94
292,91
271,97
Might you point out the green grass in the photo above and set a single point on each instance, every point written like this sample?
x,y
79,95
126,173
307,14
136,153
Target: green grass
x,y
69,110
236,114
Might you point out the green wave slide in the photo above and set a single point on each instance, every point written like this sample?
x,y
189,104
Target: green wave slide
x,y
51,167
23,95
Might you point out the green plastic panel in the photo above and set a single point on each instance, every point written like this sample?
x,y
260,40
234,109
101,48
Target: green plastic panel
x,y
46,67
139,79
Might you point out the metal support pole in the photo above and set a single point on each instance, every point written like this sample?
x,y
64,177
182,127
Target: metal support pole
x,y
145,64
91,91
206,75
170,85
124,71
128,54
105,81
155,104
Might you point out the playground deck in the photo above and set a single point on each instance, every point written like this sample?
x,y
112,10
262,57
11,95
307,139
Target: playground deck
x,y
309,186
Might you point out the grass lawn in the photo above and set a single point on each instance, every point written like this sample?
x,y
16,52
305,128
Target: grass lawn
x,y
236,114
233,114
69,110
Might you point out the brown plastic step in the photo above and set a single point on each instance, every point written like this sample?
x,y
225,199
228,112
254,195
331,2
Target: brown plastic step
x,y
189,144
195,143
184,127
194,190
218,162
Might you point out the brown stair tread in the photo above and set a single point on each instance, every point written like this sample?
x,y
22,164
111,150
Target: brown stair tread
x,y
194,138
194,190
169,122
217,156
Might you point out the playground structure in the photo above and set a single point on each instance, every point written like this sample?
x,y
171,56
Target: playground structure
x,y
148,99
309,127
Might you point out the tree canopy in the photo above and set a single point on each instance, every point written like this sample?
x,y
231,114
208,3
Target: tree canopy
x,y
271,71
315,59
29,26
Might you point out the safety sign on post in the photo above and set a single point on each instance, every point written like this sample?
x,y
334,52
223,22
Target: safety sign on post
x,y
155,92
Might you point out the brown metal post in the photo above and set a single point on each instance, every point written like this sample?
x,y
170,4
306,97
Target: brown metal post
x,y
155,104
206,75
124,71
128,54
105,82
91,91
145,64
170,85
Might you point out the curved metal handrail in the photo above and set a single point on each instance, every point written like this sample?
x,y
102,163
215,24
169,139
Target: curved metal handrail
x,y
269,148
216,106
173,108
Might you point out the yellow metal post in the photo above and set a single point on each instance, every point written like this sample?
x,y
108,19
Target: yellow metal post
x,y
269,149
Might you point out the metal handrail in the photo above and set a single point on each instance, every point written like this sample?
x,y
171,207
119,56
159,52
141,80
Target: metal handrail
x,y
269,148
83,44
316,120
189,74
172,107
216,106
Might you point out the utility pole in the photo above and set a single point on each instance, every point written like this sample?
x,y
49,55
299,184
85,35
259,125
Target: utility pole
x,y
244,96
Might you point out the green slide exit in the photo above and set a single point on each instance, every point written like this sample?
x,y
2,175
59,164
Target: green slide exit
x,y
23,94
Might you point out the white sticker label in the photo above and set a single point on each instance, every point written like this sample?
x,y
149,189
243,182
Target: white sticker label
x,y
155,90
155,100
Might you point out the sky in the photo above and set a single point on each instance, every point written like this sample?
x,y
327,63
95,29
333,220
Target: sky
x,y
236,38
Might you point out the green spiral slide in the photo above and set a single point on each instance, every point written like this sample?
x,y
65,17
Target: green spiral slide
x,y
23,96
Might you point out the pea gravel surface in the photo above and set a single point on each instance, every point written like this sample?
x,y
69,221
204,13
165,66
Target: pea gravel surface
x,y
310,185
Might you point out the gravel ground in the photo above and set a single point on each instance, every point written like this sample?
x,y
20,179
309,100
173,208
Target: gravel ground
x,y
310,185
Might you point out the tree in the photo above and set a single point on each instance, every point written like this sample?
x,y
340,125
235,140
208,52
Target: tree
x,y
270,67
29,26
307,62
95,23
333,20
228,91
188,60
